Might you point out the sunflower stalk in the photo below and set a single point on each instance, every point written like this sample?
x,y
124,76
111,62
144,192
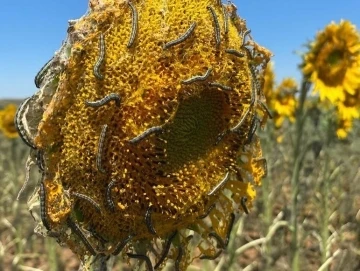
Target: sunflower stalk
x,y
298,157
235,234
267,217
261,241
276,224
52,254
266,198
325,211
329,177
327,263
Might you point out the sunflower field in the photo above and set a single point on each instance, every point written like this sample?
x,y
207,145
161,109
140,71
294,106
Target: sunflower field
x,y
179,148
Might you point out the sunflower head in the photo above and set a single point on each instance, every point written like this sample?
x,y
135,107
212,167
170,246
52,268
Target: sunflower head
x,y
269,83
344,127
284,104
352,100
147,130
347,111
332,63
7,126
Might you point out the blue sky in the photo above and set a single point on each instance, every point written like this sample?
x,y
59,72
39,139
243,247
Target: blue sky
x,y
31,31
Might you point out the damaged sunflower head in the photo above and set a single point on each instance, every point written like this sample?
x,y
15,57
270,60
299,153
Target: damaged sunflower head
x,y
145,130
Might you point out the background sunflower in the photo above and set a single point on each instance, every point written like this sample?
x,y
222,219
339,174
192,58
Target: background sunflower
x,y
7,126
332,62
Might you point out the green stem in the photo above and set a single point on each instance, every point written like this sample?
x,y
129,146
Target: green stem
x,y
19,249
52,254
267,202
325,195
297,165
325,212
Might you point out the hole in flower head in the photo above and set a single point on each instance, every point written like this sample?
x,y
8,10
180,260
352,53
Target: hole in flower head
x,y
194,128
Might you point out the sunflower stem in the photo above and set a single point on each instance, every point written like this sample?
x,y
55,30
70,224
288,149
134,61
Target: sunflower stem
x,y
267,221
267,200
325,211
325,194
52,254
297,165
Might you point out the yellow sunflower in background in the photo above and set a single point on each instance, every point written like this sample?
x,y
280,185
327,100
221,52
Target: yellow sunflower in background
x,y
7,126
332,63
284,104
344,128
347,111
147,135
269,84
